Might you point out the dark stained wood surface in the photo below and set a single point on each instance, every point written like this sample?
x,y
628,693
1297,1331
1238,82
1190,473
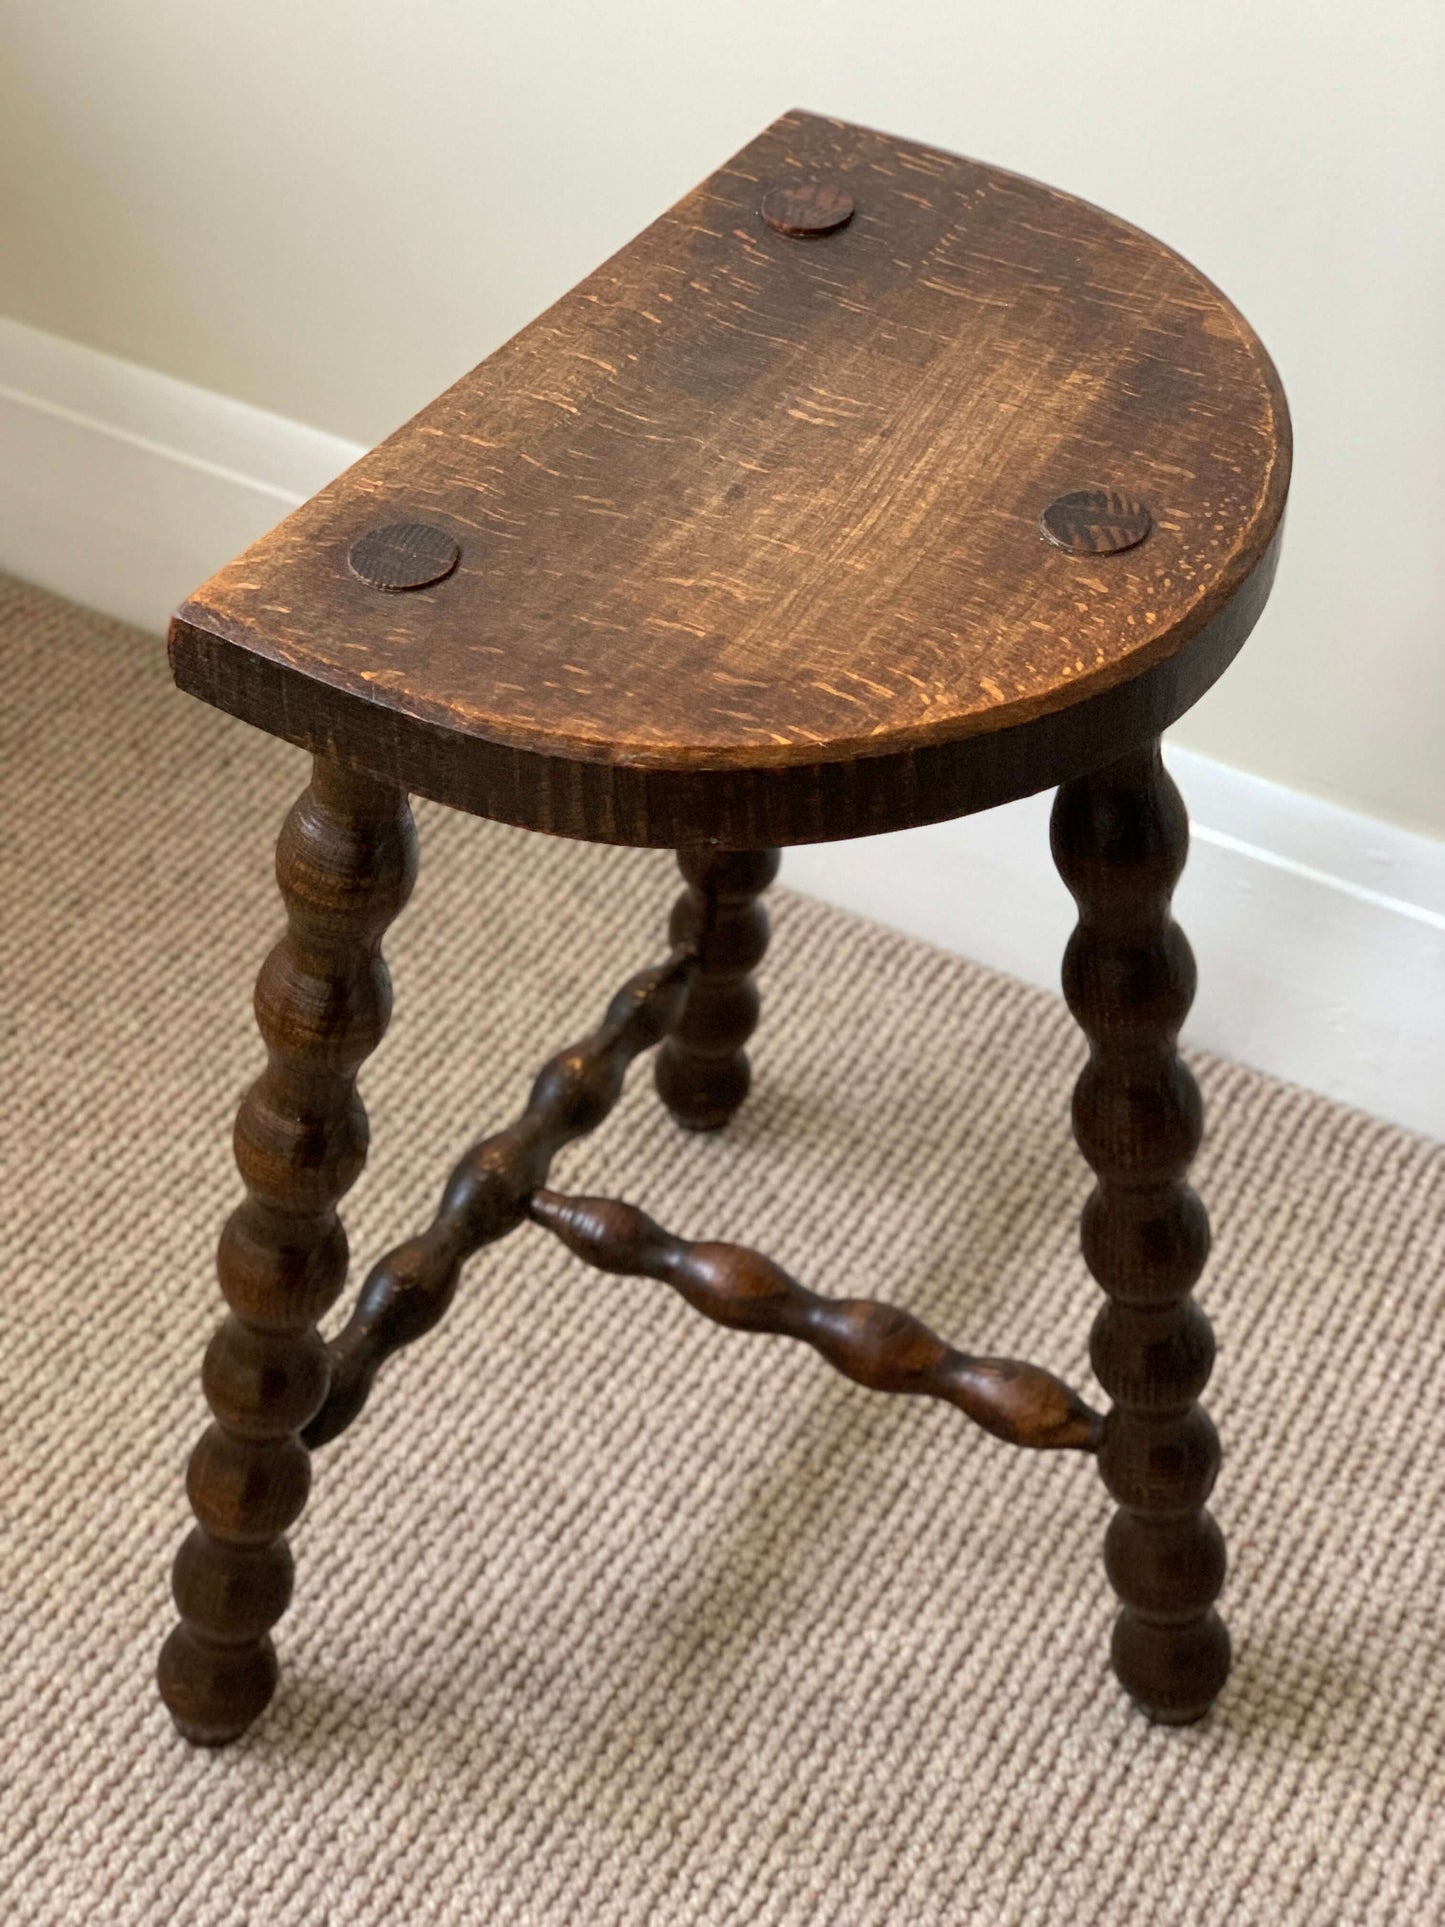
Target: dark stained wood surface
x,y
750,524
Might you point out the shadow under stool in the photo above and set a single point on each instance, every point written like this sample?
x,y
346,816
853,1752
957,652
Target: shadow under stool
x,y
868,487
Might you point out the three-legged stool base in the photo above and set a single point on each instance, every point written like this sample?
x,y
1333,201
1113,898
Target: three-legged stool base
x,y
277,1392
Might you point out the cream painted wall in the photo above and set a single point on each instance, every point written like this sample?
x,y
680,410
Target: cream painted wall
x,y
332,207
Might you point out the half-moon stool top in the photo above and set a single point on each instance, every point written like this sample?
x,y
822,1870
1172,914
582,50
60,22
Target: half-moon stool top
x,y
748,526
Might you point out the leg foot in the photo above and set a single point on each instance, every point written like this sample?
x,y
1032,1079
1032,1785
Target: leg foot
x,y
702,1070
213,1693
1120,839
345,863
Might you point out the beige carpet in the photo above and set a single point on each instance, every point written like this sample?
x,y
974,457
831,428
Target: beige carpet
x,y
603,1615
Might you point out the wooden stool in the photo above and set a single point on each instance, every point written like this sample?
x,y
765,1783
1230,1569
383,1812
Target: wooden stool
x,y
867,487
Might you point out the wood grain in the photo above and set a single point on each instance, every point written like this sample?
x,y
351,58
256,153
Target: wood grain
x,y
749,525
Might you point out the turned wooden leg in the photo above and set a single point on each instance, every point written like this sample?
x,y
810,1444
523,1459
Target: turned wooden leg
x,y
702,1070
1119,840
345,862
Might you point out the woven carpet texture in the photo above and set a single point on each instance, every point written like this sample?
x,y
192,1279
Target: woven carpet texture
x,y
603,1615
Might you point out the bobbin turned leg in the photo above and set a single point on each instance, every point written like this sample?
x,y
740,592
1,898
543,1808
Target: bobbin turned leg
x,y
702,1070
1119,839
345,862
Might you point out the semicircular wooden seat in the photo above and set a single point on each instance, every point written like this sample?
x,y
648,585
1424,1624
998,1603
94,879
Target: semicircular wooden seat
x,y
748,526
868,487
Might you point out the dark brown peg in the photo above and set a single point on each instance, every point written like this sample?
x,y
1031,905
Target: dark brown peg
x,y
1096,521
404,555
806,209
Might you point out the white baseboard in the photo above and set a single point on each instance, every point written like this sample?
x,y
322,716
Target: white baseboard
x,y
123,488
1320,932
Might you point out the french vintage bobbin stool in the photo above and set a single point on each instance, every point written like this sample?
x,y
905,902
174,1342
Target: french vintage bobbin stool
x,y
867,487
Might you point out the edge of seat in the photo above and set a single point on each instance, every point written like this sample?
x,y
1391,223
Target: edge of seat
x,y
759,806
